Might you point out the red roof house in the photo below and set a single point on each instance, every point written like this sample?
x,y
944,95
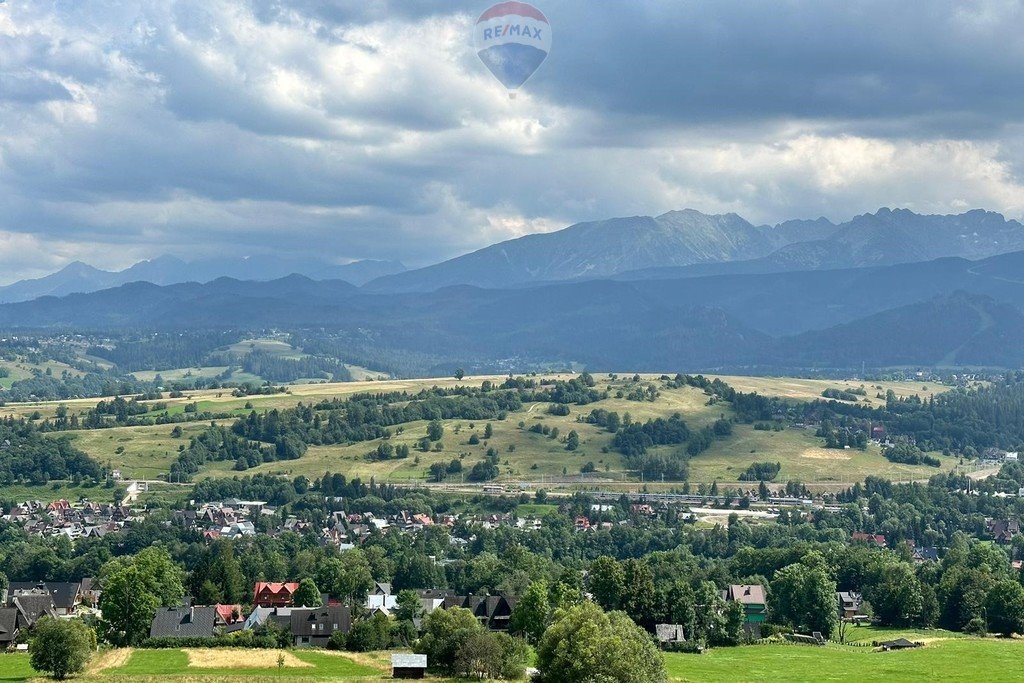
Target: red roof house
x,y
229,614
270,594
876,539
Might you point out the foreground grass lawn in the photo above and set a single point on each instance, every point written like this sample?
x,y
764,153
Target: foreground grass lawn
x,y
15,667
961,659
248,664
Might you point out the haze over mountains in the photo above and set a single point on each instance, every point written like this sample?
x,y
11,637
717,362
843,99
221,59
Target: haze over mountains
x,y
948,311
79,277
683,243
681,291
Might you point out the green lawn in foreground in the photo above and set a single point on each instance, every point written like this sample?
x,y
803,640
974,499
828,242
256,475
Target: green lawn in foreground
x,y
955,659
15,667
144,663
962,659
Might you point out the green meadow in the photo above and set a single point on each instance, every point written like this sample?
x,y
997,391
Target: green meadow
x,y
957,659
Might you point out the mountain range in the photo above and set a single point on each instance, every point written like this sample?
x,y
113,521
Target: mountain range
x,y
948,311
717,244
683,290
79,277
673,245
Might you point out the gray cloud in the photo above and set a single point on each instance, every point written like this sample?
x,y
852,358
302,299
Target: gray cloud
x,y
370,130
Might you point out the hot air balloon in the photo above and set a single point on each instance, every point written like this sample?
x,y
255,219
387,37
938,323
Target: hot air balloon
x,y
512,39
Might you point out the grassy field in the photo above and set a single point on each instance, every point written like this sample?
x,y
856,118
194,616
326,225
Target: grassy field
x,y
537,458
180,373
808,389
299,665
15,667
215,665
943,658
272,347
162,493
22,369
139,452
524,455
802,457
962,659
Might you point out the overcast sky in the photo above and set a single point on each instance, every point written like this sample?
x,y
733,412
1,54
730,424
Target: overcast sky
x,y
349,129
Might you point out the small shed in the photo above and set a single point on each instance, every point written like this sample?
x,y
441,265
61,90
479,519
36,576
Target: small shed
x,y
898,644
669,634
408,666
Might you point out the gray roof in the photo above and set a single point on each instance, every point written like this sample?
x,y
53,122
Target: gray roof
x,y
319,622
183,622
8,624
407,661
849,597
63,594
34,606
669,633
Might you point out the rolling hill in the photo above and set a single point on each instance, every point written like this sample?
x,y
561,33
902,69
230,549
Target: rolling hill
x,y
947,311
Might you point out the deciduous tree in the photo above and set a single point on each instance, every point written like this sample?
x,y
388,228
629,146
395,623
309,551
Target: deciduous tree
x,y
60,647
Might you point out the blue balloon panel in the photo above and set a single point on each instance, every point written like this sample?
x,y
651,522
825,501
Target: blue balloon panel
x,y
512,64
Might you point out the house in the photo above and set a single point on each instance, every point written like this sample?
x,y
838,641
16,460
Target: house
x,y
642,509
669,634
993,454
492,611
849,604
270,594
228,615
381,599
925,554
90,592
408,666
32,606
313,627
184,622
755,606
1003,530
9,627
257,618
872,539
66,596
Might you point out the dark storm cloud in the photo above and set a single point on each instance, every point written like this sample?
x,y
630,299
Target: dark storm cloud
x,y
944,68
